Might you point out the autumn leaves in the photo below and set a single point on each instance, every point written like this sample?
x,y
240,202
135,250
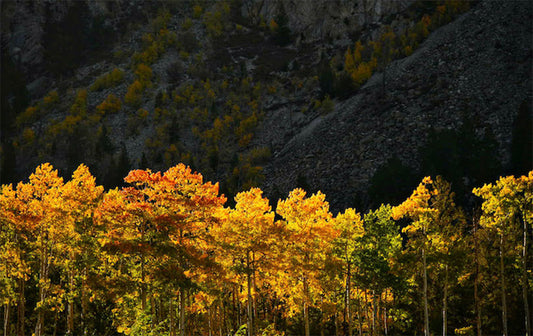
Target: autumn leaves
x,y
164,256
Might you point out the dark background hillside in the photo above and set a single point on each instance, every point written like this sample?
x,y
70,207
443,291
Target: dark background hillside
x,y
240,92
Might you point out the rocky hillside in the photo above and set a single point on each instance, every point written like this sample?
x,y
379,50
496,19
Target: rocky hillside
x,y
236,89
477,67
25,24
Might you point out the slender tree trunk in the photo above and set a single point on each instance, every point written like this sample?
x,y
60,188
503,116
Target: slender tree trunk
x,y
182,312
84,301
55,325
359,314
239,312
249,303
274,313
43,279
7,308
347,300
209,326
374,312
525,291
306,307
153,312
385,325
336,321
221,312
476,280
426,312
160,309
70,308
504,294
171,317
445,303
366,313
225,315
21,308
254,301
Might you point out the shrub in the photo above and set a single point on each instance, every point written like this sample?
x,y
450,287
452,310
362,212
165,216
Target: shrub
x,y
50,99
259,155
184,55
148,56
197,11
187,24
136,120
134,95
247,125
144,74
69,123
273,26
79,107
29,115
111,104
147,40
28,136
108,80
363,72
213,23
162,19
327,105
166,38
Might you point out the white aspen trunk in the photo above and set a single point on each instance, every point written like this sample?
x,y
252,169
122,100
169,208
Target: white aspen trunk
x,y
7,308
504,294
254,303
374,312
525,290
209,326
445,304
385,325
359,314
43,277
182,312
306,307
70,308
347,301
171,329
425,289
21,308
249,301
84,301
476,280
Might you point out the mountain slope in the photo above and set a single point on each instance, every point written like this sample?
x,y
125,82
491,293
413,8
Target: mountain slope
x,y
478,67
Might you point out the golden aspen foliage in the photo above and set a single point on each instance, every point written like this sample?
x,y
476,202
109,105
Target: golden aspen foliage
x,y
108,80
309,230
110,105
133,96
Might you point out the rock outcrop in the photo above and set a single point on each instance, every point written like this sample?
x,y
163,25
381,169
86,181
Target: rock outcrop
x,y
322,20
478,66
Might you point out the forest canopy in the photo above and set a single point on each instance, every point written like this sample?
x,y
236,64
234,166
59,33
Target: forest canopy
x,y
164,256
